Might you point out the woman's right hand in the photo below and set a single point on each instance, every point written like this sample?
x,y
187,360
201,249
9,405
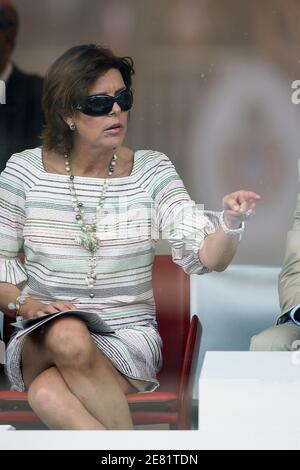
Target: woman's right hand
x,y
33,308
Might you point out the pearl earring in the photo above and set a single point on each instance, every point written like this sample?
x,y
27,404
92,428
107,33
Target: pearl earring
x,y
72,126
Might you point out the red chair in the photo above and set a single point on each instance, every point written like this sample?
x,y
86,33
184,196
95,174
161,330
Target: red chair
x,y
171,404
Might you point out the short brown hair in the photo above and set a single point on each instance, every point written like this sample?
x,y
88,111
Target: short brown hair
x,y
66,86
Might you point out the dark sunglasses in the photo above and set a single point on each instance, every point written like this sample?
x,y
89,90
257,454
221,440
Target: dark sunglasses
x,y
99,105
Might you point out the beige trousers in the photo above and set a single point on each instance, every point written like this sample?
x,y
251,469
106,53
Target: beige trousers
x,y
284,337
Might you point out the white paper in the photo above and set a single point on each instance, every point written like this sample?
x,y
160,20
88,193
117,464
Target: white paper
x,y
93,320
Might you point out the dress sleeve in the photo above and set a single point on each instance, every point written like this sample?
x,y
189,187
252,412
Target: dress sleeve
x,y
12,218
180,220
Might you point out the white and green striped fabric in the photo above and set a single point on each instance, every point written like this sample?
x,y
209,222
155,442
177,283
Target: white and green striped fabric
x,y
37,218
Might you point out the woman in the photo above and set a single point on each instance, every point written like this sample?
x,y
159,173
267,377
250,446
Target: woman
x,y
82,207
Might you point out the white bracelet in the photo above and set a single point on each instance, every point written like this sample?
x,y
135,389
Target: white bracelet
x,y
231,231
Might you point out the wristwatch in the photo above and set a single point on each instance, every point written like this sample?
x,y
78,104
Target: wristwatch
x,y
294,314
231,231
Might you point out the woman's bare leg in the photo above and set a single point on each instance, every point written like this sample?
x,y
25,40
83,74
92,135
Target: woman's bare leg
x,y
34,357
88,373
48,394
54,403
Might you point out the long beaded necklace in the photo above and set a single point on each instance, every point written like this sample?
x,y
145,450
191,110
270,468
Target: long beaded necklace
x,y
88,238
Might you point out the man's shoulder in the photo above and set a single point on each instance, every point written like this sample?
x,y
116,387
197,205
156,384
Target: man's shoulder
x,y
19,77
23,88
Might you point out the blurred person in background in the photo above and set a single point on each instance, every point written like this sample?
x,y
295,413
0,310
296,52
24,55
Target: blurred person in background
x,y
21,118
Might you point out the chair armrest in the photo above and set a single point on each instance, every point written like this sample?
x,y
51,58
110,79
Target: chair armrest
x,y
189,367
153,400
13,395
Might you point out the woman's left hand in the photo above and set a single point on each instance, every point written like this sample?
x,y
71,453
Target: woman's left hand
x,y
238,206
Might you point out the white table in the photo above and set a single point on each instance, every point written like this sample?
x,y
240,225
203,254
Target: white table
x,y
250,400
7,427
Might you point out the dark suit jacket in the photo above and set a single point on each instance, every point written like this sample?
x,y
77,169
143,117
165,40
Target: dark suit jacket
x,y
21,118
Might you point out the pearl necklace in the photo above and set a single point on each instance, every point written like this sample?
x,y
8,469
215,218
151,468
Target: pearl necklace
x,y
88,238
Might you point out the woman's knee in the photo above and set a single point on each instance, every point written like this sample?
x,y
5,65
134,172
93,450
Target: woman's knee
x,y
69,343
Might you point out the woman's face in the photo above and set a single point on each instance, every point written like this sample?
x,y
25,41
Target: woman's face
x,y
96,130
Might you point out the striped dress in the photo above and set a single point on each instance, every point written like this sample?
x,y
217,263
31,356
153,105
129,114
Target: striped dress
x,y
38,219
